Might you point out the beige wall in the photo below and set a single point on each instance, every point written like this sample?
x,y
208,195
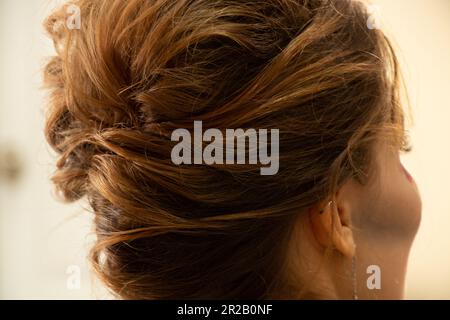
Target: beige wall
x,y
421,30
40,239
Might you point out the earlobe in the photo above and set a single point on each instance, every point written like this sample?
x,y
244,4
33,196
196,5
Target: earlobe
x,y
331,225
343,234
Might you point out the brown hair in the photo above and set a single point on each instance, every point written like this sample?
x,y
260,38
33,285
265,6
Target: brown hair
x,y
138,69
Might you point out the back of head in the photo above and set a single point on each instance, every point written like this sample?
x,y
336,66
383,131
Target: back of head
x,y
137,70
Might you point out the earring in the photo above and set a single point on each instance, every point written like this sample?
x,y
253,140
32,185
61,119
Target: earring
x,y
328,204
354,284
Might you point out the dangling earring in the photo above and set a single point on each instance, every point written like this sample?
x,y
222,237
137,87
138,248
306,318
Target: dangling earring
x,y
354,284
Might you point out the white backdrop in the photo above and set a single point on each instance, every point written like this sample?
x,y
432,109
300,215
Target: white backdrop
x,y
421,29
40,239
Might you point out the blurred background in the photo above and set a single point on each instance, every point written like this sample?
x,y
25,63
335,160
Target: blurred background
x,y
44,243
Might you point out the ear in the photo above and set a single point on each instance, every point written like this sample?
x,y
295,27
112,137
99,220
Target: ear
x,y
331,225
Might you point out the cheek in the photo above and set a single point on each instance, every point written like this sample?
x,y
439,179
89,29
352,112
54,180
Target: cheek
x,y
408,176
406,210
411,201
397,208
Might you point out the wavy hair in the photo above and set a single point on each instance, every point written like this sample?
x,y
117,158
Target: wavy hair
x,y
138,69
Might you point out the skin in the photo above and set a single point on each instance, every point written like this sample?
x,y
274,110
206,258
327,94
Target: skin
x,y
376,223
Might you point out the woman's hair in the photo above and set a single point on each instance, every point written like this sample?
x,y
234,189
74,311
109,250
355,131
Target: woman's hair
x,y
137,70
